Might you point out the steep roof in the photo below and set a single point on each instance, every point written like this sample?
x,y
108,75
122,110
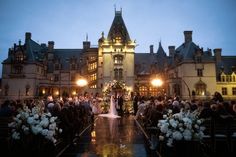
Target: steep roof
x,y
143,61
64,55
187,50
33,51
118,28
227,65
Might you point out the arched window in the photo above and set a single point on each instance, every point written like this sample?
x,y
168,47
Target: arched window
x,y
200,88
228,78
223,79
233,78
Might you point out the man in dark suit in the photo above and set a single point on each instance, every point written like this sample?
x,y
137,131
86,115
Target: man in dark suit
x,y
120,102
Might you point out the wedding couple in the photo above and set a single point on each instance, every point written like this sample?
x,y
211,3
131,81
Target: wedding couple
x,y
115,107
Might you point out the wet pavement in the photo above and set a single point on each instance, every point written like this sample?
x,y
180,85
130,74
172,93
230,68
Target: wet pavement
x,y
110,137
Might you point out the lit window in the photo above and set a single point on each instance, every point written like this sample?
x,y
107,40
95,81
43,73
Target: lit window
x,y
93,86
93,77
19,56
233,78
223,78
224,91
153,91
143,90
118,39
118,59
228,78
200,88
92,66
92,58
234,91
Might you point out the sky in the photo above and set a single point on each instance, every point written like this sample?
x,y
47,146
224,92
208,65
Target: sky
x,y
66,22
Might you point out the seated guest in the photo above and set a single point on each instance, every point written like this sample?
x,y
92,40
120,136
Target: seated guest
x,y
206,111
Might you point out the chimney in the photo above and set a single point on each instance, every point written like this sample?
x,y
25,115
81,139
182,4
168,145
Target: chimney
x,y
188,36
86,45
171,51
50,46
217,54
151,49
27,36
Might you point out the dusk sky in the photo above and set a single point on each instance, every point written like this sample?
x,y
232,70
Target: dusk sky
x,y
66,22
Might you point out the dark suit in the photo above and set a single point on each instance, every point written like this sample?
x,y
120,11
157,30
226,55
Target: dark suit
x,y
120,105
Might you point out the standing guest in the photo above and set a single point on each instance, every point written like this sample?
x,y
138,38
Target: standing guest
x,y
95,107
99,100
135,102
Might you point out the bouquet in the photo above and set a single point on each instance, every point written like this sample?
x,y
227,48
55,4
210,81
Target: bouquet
x,y
180,126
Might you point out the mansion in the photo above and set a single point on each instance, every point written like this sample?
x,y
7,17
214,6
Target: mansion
x,y
34,70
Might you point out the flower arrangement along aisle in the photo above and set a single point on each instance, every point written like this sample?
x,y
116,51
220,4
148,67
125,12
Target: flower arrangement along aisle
x,y
33,127
180,126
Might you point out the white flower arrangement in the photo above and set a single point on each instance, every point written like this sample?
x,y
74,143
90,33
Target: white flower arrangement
x,y
180,126
34,122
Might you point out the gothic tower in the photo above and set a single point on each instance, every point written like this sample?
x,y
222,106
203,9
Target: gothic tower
x,y
116,54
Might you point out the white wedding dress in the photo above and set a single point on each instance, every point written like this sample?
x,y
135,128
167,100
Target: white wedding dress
x,y
112,111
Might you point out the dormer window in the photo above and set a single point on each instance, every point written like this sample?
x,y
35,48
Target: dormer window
x,y
118,39
19,57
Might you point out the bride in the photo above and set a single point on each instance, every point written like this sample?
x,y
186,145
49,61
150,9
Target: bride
x,y
112,111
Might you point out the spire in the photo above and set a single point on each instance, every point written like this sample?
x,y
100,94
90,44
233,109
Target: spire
x,y
86,36
118,29
160,49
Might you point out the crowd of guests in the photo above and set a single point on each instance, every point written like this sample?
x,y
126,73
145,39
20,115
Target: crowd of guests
x,y
74,114
149,110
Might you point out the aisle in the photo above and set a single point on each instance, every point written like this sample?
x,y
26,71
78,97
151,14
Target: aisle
x,y
110,138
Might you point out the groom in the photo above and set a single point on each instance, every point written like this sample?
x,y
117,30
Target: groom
x,y
120,102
